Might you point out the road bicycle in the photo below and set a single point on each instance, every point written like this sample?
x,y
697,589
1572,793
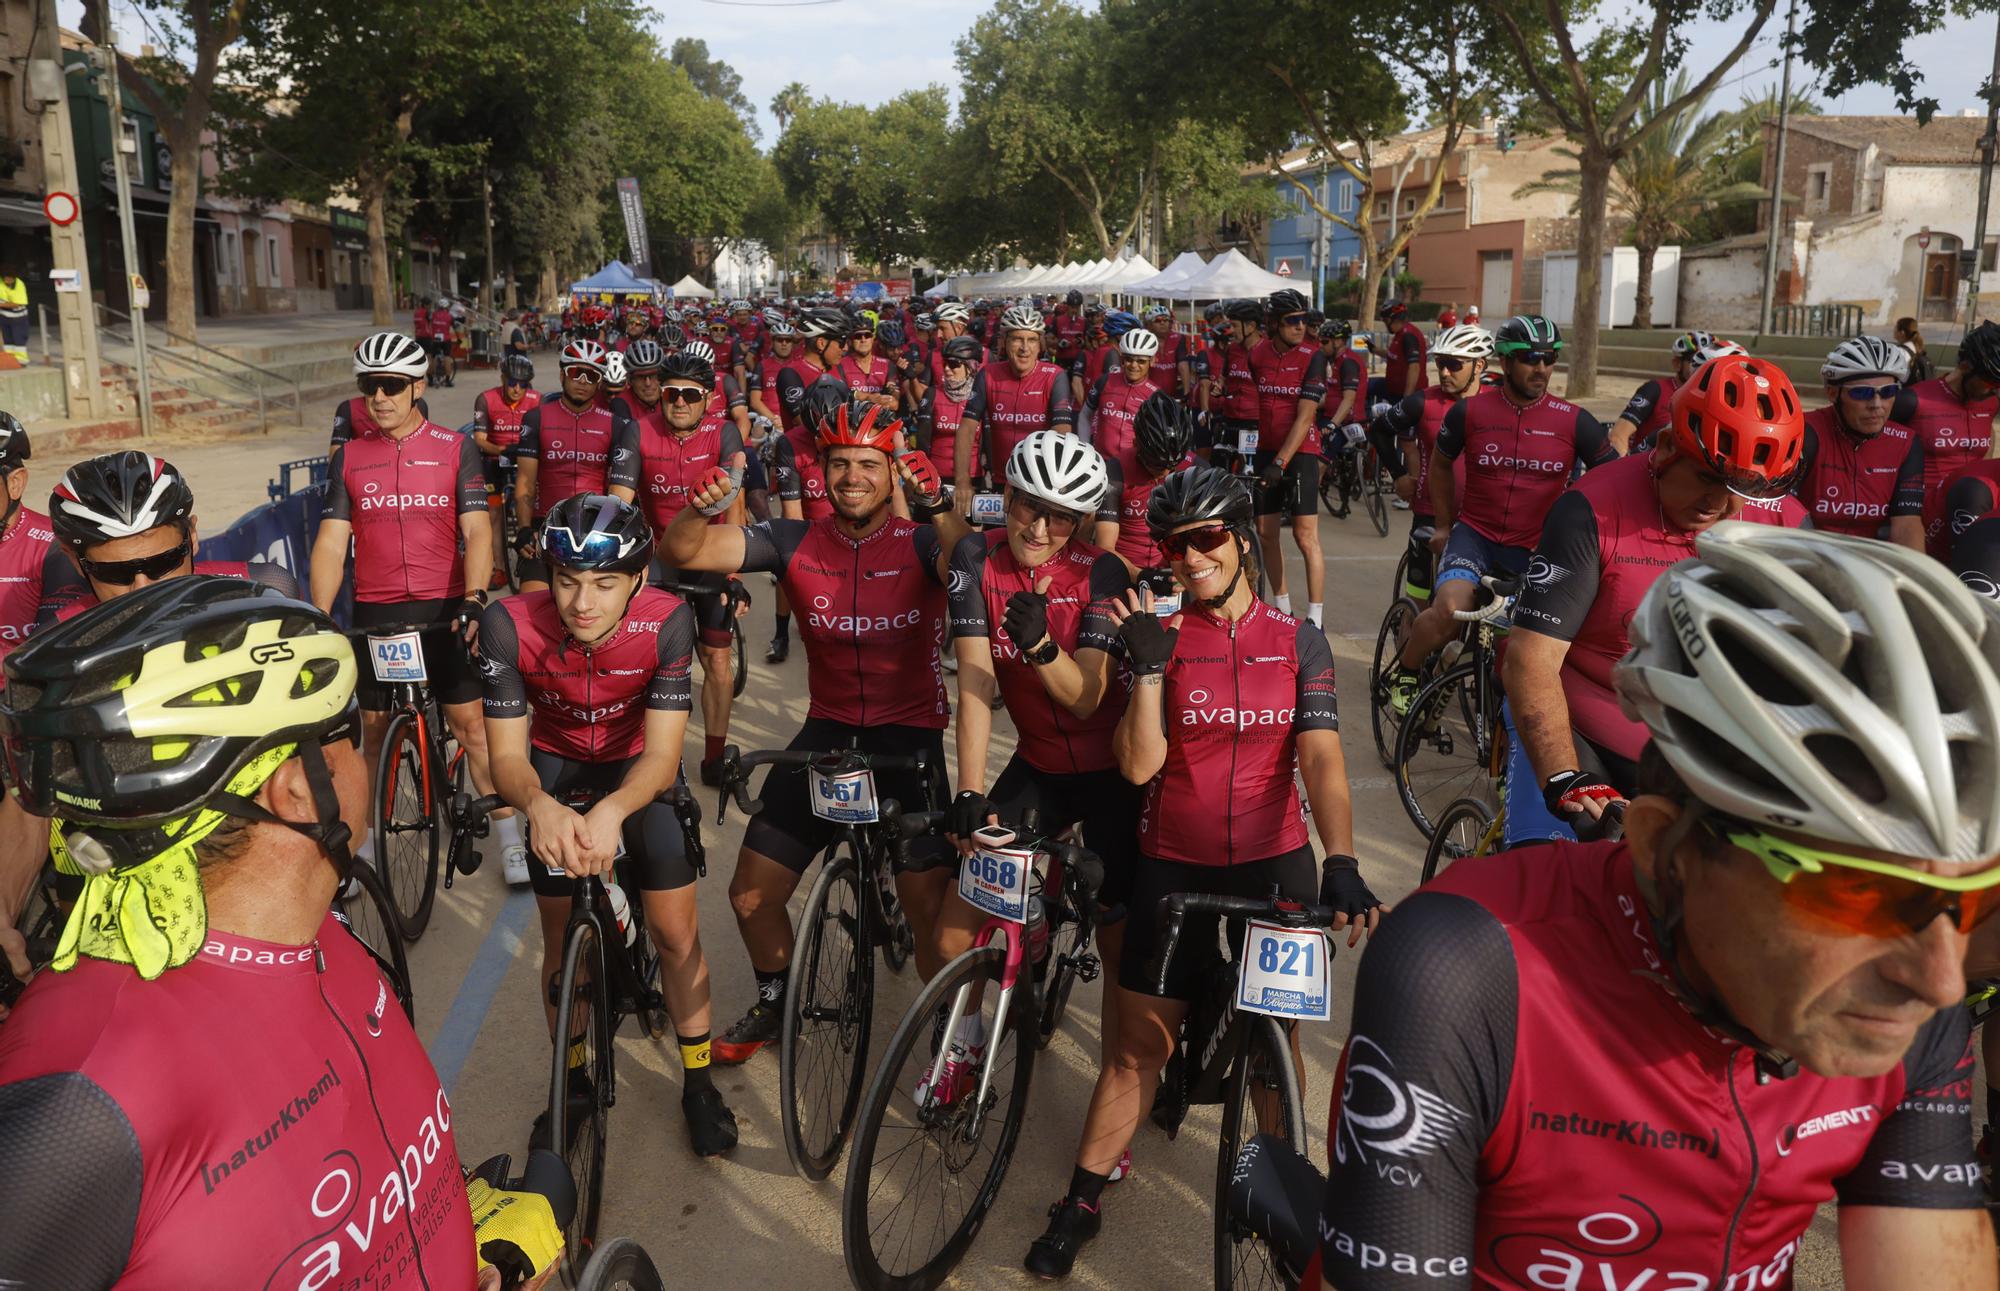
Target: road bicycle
x,y
418,771
1452,744
1353,476
938,1128
1274,1199
1235,1048
738,597
1469,827
610,971
851,911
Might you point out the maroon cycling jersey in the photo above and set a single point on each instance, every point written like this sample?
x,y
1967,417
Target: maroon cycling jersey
x,y
938,418
1284,377
33,571
586,703
1954,431
1416,419
1518,460
1854,484
404,498
1650,410
871,612
984,574
1407,349
571,450
1008,408
1069,330
1348,374
794,376
1966,497
500,420
870,376
1113,403
668,465
763,379
262,1116
1230,364
1523,1103
1237,695
799,475
1164,371
1125,505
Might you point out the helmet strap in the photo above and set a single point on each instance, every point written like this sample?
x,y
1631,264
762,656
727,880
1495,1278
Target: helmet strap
x,y
1215,603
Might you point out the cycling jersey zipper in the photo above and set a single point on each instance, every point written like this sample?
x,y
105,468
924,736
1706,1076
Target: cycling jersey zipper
x,y
1750,1189
1236,680
854,609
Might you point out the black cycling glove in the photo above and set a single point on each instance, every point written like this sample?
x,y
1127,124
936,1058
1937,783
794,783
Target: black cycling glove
x,y
1272,473
1342,887
967,814
1149,643
1026,619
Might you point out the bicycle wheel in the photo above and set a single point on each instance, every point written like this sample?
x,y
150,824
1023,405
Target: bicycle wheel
x,y
739,659
365,908
1261,1096
829,1009
1388,649
1371,494
406,824
580,1086
650,1007
1443,748
1461,827
1069,958
892,923
510,560
621,1264
1329,488
923,1176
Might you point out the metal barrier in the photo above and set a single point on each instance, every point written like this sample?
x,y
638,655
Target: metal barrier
x,y
282,487
1816,320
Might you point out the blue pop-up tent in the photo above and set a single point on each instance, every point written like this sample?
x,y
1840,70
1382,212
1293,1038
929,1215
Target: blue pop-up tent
x,y
616,279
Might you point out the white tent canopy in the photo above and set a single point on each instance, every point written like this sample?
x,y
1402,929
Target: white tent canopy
x,y
688,286
1126,272
1098,276
1228,275
1184,266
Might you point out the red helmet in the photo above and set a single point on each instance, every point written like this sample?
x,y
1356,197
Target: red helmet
x,y
1740,416
861,425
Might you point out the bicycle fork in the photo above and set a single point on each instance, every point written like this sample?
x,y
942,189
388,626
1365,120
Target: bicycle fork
x,y
1015,950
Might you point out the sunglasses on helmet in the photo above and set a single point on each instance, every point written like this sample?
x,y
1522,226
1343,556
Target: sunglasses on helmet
x,y
1213,538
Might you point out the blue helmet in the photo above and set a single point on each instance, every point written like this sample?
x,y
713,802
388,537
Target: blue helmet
x,y
1118,322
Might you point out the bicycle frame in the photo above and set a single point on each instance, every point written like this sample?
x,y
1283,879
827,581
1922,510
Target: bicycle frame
x,y
1015,948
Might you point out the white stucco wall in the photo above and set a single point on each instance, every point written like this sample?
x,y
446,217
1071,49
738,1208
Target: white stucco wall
x,y
1721,290
1874,261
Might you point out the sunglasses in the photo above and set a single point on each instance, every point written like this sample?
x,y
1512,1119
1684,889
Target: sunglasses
x,y
589,376
1293,320
1026,510
1869,897
391,386
1862,394
1446,363
1748,484
588,550
1214,538
956,363
123,573
684,394
1536,358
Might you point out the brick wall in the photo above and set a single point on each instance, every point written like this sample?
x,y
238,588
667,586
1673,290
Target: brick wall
x,y
1805,158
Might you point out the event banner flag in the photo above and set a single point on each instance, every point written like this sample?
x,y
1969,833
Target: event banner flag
x,y
634,211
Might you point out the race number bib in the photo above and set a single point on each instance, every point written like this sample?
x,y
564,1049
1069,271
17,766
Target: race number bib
x,y
994,880
845,799
1282,972
988,509
398,658
1246,440
1165,607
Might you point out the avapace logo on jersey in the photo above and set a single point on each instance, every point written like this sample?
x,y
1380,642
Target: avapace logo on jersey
x,y
404,501
823,619
1511,462
1623,1246
1387,1122
1200,711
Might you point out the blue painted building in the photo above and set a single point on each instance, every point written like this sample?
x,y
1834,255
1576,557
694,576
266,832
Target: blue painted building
x,y
1294,231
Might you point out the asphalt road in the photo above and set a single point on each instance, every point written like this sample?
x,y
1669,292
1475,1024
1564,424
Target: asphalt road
x,y
748,1220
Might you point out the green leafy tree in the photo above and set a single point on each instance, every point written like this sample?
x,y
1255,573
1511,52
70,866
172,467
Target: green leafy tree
x,y
715,78
866,172
786,103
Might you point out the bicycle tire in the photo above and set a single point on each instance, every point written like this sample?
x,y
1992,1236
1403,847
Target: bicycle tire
x,y
1438,714
1071,929
645,959
892,923
406,832
1461,828
621,1264
895,1081
510,559
1389,640
1378,505
370,916
740,659
582,1147
819,1117
1242,1262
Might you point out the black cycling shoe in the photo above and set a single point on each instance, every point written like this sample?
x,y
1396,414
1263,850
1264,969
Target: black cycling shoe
x,y
711,772
762,1025
779,650
1071,1224
711,1125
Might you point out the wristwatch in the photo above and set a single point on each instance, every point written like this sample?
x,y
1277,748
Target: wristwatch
x,y
1044,654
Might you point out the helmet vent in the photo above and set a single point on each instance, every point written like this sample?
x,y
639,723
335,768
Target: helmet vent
x,y
1844,759
1772,686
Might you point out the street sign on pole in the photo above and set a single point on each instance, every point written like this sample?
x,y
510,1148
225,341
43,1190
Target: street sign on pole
x,y
1924,238
61,208
1284,269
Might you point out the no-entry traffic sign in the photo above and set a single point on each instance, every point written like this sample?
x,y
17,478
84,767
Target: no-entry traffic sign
x,y
61,208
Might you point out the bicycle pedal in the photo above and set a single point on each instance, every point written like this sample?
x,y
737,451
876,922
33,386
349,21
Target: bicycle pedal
x,y
1086,969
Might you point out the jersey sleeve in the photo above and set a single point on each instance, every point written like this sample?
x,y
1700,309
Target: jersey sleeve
x,y
1966,501
924,540
1317,708
481,423
1406,415
1908,499
1641,406
623,468
1904,408
471,478
1593,440
529,445
672,685
72,1185
731,444
967,591
1410,345
1095,398
60,580
1435,1002
1564,575
768,546
1921,1156
339,505
975,403
1975,558
343,427
1061,411
732,393
1313,385
785,470
268,573
791,390
503,691
926,421
1109,581
1352,376
1451,433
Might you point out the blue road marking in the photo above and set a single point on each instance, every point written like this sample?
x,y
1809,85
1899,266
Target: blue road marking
x,y
460,1029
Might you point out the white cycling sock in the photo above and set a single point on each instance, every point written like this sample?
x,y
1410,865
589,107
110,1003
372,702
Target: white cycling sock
x,y
1316,612
972,1031
510,830
1283,601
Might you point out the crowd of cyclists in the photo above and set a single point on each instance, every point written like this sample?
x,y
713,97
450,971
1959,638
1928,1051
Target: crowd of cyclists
x,y
1754,659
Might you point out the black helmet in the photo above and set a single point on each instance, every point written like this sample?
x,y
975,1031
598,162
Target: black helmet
x,y
672,337
823,401
1162,432
517,368
643,356
597,532
964,347
1244,310
1335,329
822,321
890,333
1532,332
1213,312
1285,301
116,496
683,365
13,442
1313,319
1198,494
1980,350
1074,298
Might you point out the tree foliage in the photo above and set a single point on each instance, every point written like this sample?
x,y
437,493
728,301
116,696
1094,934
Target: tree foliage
x,y
867,171
714,78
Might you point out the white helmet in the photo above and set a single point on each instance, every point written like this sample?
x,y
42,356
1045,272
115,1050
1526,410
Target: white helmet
x,y
1060,469
1865,356
1715,349
696,347
614,369
391,353
953,311
1689,344
1022,318
1465,341
1139,343
1838,686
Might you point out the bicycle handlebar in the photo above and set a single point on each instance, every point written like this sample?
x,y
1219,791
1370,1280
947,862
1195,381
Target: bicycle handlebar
x,y
737,766
1178,905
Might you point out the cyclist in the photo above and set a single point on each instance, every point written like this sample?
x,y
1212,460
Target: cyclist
x,y
1734,447
33,571
825,333
953,319
1403,357
616,380
1291,382
1163,442
1231,400
587,690
411,499
496,427
942,408
763,378
352,417
1953,414
1521,447
1173,354
236,1063
565,449
1862,473
1221,746
443,335
1114,401
1009,400
1405,433
1067,321
1649,409
868,374
676,442
871,587
1675,1047
1099,353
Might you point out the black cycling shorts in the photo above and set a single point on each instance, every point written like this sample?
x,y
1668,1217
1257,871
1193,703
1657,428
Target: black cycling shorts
x,y
655,851
453,678
711,604
788,832
1420,569
1104,802
1298,495
1294,872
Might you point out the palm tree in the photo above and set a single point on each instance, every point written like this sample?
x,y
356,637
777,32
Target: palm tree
x,y
786,103
1663,182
